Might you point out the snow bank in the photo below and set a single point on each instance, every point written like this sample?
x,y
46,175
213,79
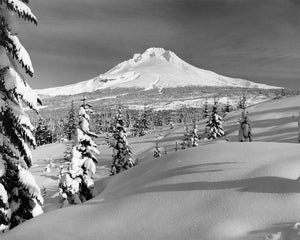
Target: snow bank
x,y
219,191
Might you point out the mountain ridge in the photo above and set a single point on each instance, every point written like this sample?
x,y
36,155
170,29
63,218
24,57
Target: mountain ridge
x,y
155,68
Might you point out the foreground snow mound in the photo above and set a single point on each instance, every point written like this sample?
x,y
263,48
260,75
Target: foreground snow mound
x,y
155,68
221,191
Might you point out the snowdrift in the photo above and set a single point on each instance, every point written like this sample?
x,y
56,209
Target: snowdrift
x,y
219,191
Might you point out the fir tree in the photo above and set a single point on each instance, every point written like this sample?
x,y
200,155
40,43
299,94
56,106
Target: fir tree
x,y
157,152
194,137
20,196
122,159
242,104
71,123
214,123
205,109
227,107
145,122
127,120
43,134
77,184
136,126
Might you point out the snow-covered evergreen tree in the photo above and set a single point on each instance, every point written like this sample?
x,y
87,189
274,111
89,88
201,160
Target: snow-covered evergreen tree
x,y
71,123
20,196
136,125
205,109
145,122
242,104
227,108
194,137
122,154
43,134
127,120
214,124
77,184
157,152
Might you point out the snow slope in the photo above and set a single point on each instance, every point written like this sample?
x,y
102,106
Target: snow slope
x,y
155,68
274,120
226,190
209,192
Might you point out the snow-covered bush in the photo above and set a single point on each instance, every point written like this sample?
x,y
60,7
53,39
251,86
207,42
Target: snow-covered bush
x,y
20,196
122,159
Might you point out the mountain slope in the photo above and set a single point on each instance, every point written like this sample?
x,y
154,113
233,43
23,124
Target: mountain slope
x,y
155,68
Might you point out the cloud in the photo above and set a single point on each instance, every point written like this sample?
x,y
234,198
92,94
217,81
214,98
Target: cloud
x,y
76,40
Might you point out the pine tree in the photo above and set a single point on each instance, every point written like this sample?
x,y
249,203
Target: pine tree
x,y
122,159
227,107
136,125
20,196
157,152
71,123
194,136
205,109
145,122
242,104
77,184
127,120
214,123
43,134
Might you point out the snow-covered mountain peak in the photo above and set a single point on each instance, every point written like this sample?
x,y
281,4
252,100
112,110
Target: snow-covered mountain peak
x,y
154,68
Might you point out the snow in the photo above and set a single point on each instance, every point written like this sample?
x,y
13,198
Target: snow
x,y
219,190
13,81
22,9
155,68
21,53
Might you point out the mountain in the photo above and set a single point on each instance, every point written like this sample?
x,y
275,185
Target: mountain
x,y
155,68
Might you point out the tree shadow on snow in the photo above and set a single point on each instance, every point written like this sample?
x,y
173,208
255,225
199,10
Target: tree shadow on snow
x,y
287,231
275,185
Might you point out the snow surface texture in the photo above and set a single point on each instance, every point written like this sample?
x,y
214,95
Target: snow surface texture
x,y
227,190
274,120
155,68
248,193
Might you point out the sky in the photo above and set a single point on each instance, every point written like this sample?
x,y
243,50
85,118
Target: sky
x,y
75,40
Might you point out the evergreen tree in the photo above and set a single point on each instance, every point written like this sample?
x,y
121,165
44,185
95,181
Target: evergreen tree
x,y
157,119
194,137
136,125
71,123
43,134
122,159
214,123
157,152
205,109
127,120
242,104
77,184
20,196
145,122
227,107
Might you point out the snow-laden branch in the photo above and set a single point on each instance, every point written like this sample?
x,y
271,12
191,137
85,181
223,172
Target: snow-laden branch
x,y
21,9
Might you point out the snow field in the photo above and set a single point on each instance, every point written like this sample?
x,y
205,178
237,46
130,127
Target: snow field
x,y
227,190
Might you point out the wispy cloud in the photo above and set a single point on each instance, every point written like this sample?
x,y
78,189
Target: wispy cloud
x,y
76,40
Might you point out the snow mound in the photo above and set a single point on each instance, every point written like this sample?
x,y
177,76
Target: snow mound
x,y
209,192
155,68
